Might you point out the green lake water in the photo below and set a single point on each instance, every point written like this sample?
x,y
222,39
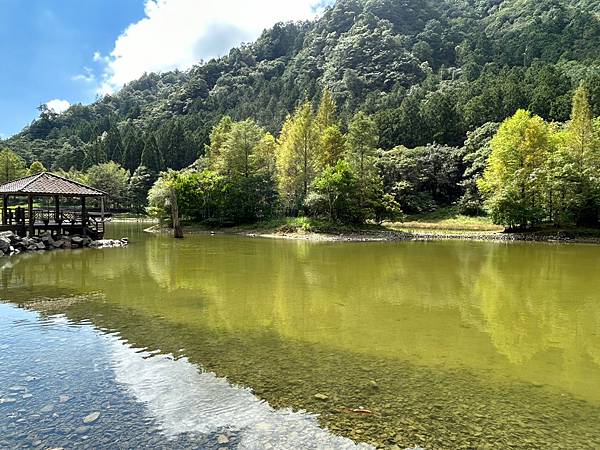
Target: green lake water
x,y
441,345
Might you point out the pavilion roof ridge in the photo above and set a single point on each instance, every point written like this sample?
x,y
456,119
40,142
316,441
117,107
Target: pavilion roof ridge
x,y
46,184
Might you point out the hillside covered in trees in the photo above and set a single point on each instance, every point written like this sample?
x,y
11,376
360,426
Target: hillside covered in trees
x,y
432,79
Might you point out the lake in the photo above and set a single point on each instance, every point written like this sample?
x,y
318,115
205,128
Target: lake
x,y
235,342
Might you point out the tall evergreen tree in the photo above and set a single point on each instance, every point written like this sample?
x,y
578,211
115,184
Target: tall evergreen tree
x,y
133,145
361,153
150,155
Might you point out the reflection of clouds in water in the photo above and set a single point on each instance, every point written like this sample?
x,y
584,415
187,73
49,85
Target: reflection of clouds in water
x,y
184,400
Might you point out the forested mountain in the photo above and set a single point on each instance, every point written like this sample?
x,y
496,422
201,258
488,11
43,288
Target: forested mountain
x,y
426,70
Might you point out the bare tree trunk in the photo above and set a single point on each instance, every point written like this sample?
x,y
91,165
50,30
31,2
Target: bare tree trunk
x,y
177,230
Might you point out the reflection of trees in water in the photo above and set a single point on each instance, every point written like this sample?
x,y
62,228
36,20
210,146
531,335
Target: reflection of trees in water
x,y
523,311
540,312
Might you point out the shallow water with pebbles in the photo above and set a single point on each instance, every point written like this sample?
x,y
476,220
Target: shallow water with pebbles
x,y
66,384
264,343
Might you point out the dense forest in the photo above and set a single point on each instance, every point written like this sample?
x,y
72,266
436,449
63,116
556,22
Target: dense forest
x,y
419,86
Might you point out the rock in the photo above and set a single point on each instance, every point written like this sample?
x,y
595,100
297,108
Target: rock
x,y
91,418
222,439
47,409
373,385
17,388
58,244
322,397
64,398
4,244
77,240
41,246
82,429
48,241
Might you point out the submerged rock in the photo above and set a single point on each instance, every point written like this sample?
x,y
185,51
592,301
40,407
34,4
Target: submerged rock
x,y
322,397
91,418
47,409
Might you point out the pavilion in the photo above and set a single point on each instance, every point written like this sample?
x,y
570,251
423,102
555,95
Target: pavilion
x,y
56,220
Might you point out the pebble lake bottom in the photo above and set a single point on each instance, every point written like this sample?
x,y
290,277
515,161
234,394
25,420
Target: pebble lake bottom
x,y
67,385
438,345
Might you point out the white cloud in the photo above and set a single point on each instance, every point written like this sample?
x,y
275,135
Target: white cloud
x,y
58,106
175,34
87,76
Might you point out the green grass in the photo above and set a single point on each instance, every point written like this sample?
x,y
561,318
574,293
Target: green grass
x,y
446,219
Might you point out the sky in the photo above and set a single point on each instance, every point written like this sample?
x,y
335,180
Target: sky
x,y
62,52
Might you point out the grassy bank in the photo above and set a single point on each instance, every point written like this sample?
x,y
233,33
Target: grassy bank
x,y
443,224
447,220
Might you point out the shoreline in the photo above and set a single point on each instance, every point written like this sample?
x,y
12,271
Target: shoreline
x,y
386,235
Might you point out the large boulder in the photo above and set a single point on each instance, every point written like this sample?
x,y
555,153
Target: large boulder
x,y
47,239
76,241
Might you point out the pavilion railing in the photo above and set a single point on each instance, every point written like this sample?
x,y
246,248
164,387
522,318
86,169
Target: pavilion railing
x,y
20,216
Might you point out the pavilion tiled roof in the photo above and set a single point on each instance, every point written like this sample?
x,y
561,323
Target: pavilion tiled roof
x,y
46,183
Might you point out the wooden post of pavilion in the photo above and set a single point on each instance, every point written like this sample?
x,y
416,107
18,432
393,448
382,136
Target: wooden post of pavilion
x,y
31,215
57,213
83,216
5,209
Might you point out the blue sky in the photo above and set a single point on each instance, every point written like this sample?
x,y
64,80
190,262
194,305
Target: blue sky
x,y
45,44
62,52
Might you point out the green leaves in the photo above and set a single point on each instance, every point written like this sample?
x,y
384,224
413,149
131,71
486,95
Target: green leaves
x,y
12,166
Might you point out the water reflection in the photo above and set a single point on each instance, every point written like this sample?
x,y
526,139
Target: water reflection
x,y
165,402
479,317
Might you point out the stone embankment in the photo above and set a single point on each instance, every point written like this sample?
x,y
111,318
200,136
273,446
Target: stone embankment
x,y
12,244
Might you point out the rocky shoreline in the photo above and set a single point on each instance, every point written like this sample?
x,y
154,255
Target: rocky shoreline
x,y
13,244
390,236
394,235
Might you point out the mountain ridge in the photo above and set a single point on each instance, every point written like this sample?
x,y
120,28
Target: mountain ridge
x,y
428,71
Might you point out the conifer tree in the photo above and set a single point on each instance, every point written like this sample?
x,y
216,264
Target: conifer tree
x,y
151,156
297,156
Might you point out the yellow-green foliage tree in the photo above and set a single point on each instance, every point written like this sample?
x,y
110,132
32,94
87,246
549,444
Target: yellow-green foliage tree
x,y
297,157
235,157
12,166
515,182
332,140
333,145
580,159
326,114
36,167
218,136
